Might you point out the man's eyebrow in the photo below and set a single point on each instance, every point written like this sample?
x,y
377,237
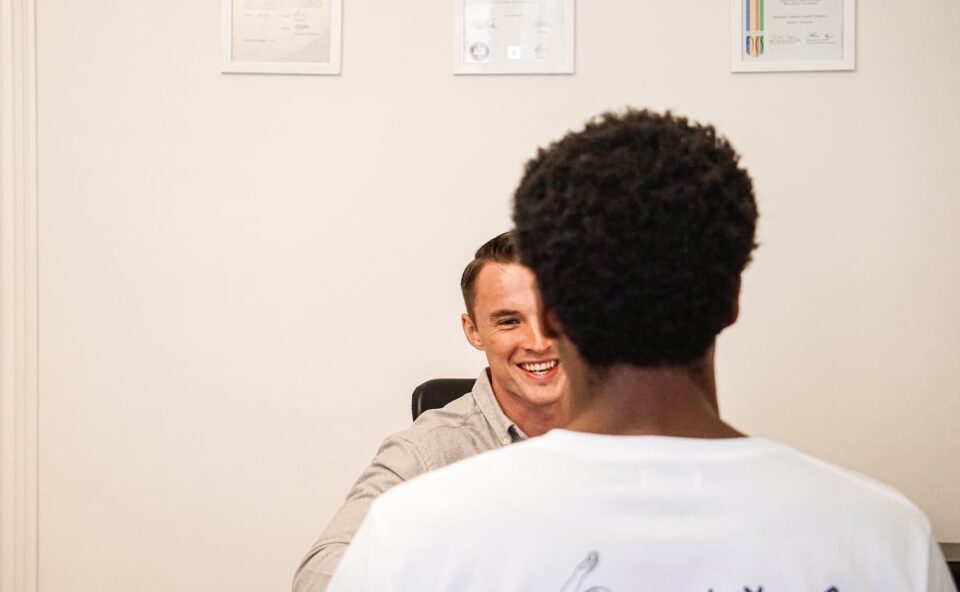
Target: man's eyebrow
x,y
499,314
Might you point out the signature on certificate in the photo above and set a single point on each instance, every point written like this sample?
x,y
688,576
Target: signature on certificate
x,y
783,38
484,24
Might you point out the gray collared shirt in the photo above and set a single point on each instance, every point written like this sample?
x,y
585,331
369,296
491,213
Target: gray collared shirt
x,y
472,424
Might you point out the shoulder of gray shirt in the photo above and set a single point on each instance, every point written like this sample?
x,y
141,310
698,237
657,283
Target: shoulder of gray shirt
x,y
468,425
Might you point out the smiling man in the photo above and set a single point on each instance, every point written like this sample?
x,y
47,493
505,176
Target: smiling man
x,y
521,394
501,320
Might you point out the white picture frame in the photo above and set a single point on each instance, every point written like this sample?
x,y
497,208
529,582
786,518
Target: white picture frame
x,y
281,36
792,36
532,37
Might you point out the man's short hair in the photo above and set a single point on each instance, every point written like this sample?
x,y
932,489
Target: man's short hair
x,y
638,228
500,249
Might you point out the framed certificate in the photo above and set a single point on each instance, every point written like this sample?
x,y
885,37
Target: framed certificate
x,y
792,35
514,37
281,36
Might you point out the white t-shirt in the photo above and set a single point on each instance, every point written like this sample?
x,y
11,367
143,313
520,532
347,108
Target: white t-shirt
x,y
575,512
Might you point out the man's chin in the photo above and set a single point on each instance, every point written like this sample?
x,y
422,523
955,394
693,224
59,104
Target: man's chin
x,y
534,389
541,397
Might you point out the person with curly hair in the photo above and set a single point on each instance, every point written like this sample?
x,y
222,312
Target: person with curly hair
x,y
638,228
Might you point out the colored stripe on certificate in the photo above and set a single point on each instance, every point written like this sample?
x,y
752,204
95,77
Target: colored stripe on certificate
x,y
753,22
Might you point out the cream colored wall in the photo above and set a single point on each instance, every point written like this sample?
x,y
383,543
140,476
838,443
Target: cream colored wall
x,y
243,277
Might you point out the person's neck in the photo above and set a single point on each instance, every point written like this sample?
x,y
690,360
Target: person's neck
x,y
631,400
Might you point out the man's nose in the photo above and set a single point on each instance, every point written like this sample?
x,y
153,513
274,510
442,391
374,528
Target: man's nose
x,y
536,340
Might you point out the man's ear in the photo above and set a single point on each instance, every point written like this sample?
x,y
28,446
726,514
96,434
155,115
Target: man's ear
x,y
470,331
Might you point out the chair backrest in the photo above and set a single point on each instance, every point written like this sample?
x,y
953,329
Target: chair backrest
x,y
434,394
952,553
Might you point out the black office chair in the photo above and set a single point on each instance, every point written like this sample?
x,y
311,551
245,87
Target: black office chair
x,y
952,553
434,394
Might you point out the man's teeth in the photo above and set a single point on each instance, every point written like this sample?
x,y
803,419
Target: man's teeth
x,y
539,367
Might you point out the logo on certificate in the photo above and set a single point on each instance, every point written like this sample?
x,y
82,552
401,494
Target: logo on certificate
x,y
479,51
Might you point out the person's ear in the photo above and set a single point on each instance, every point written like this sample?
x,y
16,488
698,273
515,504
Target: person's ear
x,y
471,332
735,305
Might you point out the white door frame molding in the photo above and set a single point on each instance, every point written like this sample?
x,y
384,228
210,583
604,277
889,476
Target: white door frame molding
x,y
18,297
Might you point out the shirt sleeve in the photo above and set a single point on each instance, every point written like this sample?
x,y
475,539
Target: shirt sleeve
x,y
361,567
398,460
938,574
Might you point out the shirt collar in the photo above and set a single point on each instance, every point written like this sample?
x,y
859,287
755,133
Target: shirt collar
x,y
505,430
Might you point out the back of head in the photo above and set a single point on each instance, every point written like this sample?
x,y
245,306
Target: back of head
x,y
638,228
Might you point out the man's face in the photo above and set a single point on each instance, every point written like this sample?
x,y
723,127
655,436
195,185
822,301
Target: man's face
x,y
524,366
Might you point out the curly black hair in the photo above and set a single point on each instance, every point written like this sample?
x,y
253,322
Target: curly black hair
x,y
638,228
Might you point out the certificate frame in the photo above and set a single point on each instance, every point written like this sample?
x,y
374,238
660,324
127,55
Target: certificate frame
x,y
229,65
739,62
563,65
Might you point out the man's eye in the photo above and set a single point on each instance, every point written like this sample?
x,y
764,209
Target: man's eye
x,y
507,322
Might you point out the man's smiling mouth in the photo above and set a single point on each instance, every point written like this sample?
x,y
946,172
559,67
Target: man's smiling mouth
x,y
539,368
